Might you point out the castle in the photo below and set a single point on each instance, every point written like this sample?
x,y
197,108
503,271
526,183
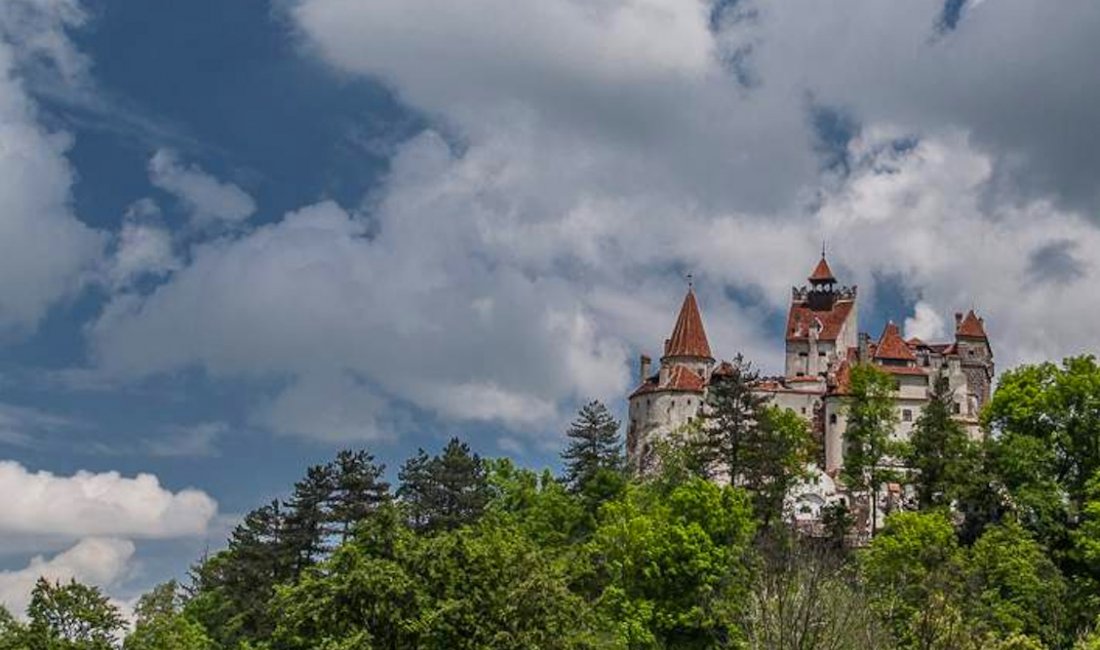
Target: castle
x,y
823,343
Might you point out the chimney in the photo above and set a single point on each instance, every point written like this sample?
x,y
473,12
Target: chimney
x,y
864,347
644,368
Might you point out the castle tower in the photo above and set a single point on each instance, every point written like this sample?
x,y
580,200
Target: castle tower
x,y
821,325
975,357
669,399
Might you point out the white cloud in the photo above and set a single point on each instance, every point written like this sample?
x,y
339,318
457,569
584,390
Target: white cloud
x,y
104,504
326,406
601,149
143,250
102,562
207,198
45,251
925,324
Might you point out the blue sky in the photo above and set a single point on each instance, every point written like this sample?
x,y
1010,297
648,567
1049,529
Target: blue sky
x,y
237,237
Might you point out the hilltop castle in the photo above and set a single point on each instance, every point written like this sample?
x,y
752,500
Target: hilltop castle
x,y
823,342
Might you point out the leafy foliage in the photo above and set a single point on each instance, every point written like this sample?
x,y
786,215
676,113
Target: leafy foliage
x,y
1001,555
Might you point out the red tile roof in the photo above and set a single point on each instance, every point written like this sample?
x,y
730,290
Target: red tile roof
x,y
688,339
681,379
822,272
971,327
891,346
843,378
831,321
904,370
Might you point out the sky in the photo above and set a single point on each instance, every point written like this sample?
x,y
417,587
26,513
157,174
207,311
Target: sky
x,y
236,237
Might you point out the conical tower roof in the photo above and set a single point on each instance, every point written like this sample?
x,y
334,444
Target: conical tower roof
x,y
892,346
822,273
971,327
688,339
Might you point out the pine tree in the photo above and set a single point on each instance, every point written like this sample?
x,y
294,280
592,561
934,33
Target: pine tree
x,y
461,487
938,448
594,446
359,490
732,415
306,528
445,491
774,456
415,489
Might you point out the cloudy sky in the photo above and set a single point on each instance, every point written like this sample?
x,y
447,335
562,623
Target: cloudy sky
x,y
238,236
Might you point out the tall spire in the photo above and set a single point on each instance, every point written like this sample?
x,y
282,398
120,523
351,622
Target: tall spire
x,y
822,273
688,339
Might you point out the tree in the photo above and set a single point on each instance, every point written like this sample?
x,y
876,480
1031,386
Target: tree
x,y
359,490
161,625
71,616
594,447
806,598
939,449
306,526
673,564
12,632
486,585
914,569
773,458
416,489
871,420
231,590
445,491
1015,587
731,416
1058,408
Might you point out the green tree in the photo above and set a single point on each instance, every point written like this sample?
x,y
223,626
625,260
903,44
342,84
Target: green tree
x,y
545,509
939,449
1059,406
358,490
231,589
71,616
594,447
446,491
773,459
871,420
1015,587
805,597
486,585
161,625
415,490
305,528
1047,419
12,632
673,564
914,570
731,417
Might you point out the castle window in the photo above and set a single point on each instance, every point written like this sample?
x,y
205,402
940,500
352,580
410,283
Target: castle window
x,y
799,374
803,354
803,410
832,418
958,408
906,415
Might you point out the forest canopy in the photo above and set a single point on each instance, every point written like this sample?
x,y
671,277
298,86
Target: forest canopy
x,y
1000,551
